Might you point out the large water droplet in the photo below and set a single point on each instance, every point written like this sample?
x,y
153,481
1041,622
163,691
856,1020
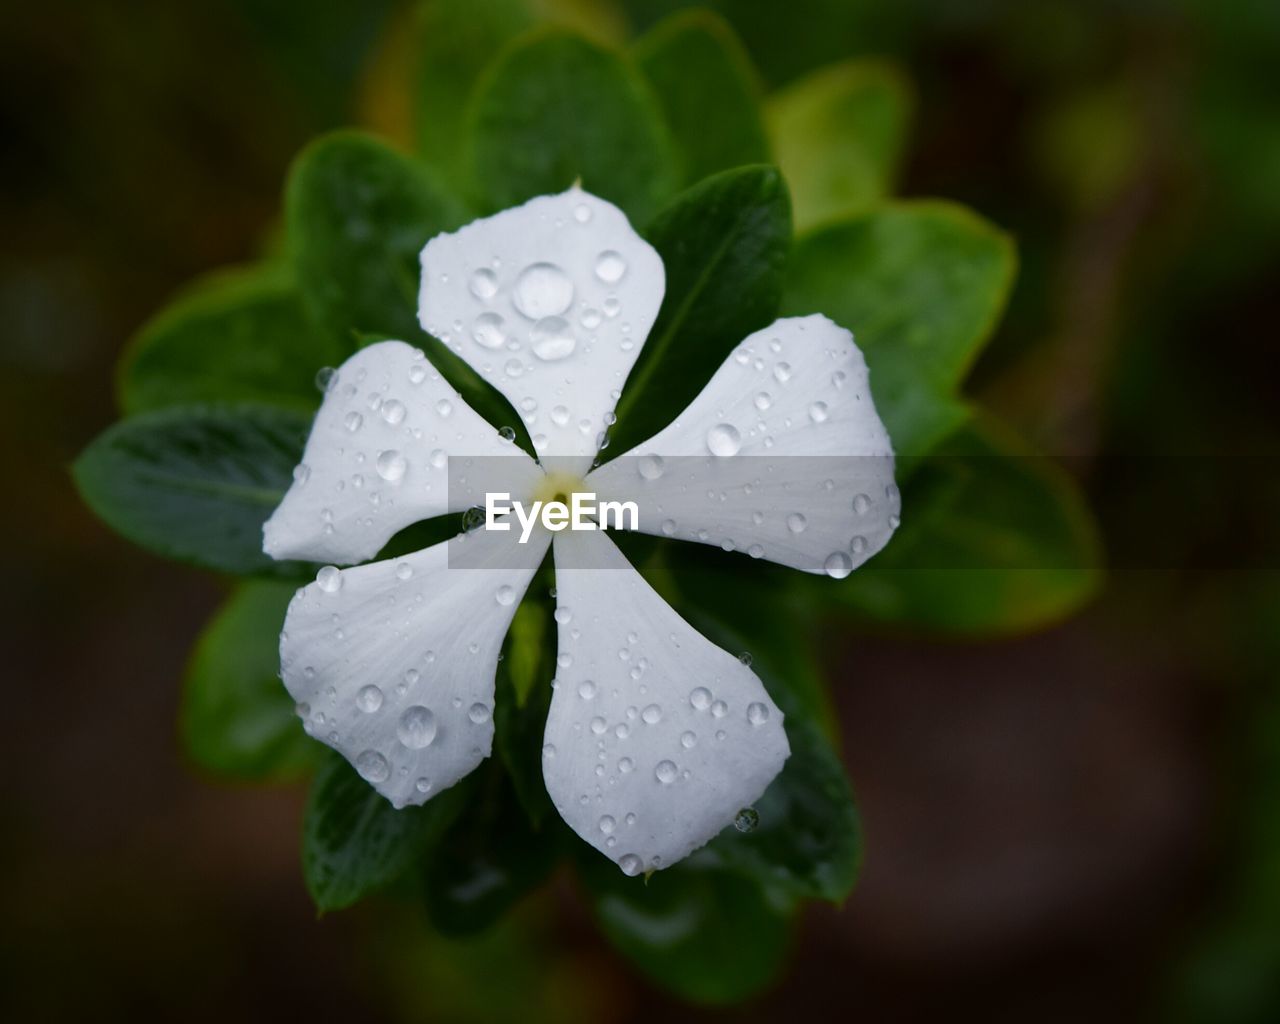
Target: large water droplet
x,y
484,284
487,331
746,819
610,266
631,864
329,579
724,440
417,727
838,565
552,339
700,698
607,824
665,772
391,465
542,290
369,699
479,713
651,715
757,713
373,766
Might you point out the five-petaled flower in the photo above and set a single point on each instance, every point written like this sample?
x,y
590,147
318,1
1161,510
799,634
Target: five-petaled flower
x,y
655,737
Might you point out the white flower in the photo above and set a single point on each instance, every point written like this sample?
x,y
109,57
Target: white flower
x,y
656,737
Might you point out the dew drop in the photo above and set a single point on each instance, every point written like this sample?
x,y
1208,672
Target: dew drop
x,y
417,727
746,819
507,433
782,372
607,824
818,412
326,378
763,401
700,698
552,339
838,565
796,522
369,699
301,473
542,290
443,408
391,465
630,864
651,715
373,766
353,422
560,416
668,527
861,503
724,440
484,284
665,772
719,709
487,331
505,596
423,785
688,739
393,411
599,725
858,545
650,467
610,267
587,689
582,213
329,579
478,713
757,713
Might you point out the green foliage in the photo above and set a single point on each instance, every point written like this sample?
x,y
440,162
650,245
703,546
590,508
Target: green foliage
x,y
555,109
708,935
354,842
235,336
358,214
196,483
995,538
724,244
839,134
708,92
238,720
921,285
522,698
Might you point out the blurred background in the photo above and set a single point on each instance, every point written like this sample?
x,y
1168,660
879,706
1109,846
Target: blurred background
x,y
1080,823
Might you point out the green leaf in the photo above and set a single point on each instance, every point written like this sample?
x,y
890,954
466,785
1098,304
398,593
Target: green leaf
x,y
521,701
239,335
921,285
724,243
354,842
994,539
839,134
708,91
488,859
709,936
456,40
237,718
358,214
555,109
196,483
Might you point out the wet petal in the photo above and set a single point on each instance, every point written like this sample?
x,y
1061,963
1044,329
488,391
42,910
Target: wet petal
x,y
378,459
656,738
393,664
782,456
551,302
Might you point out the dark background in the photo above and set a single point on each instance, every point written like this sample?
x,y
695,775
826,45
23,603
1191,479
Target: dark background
x,y
1079,824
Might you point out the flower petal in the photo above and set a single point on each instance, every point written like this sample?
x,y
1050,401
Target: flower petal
x,y
393,664
782,455
551,302
377,459
656,738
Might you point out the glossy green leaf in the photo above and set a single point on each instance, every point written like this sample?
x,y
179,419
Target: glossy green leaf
x,y
708,91
358,214
354,842
994,539
709,936
237,718
839,134
237,335
555,109
523,698
196,483
455,42
922,286
488,859
724,243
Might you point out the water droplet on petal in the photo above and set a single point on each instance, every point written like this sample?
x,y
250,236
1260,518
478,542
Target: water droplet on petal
x,y
746,819
724,440
326,377
861,503
444,407
668,527
560,416
796,522
542,290
700,698
417,727
478,713
484,284
487,331
393,411
607,824
329,579
587,689
391,465
373,766
650,467
665,772
688,739
858,545
651,715
818,412
369,699
552,339
631,864
610,267
838,565
757,713
782,372
763,401
353,422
